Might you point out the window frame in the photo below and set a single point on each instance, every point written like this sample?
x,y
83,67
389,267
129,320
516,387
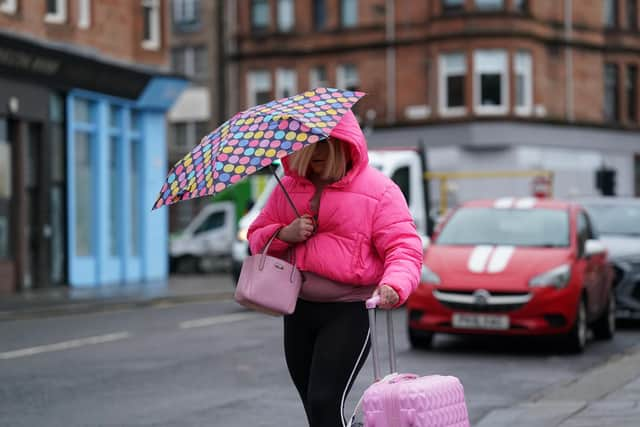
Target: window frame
x,y
9,7
631,92
343,80
292,16
179,15
319,5
632,18
613,4
60,15
314,80
478,70
84,14
526,69
444,72
489,8
344,7
614,116
286,78
154,41
252,87
448,8
252,15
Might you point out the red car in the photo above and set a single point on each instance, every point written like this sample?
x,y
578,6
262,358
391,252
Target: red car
x,y
514,267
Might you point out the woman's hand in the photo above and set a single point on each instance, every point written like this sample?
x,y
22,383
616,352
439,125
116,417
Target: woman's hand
x,y
388,297
298,231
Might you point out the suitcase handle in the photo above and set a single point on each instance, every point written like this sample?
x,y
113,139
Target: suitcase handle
x,y
371,305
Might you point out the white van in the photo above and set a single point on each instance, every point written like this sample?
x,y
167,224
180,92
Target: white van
x,y
402,166
204,244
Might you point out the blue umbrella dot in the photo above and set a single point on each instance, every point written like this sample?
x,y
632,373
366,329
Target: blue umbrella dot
x,y
279,135
285,145
249,151
255,161
244,143
172,178
224,177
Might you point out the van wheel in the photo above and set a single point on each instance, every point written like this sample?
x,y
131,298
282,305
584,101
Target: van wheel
x,y
577,338
420,339
605,327
187,264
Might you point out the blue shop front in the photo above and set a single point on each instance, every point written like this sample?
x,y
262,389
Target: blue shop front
x,y
116,163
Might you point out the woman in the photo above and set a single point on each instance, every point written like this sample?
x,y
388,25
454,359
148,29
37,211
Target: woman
x,y
356,237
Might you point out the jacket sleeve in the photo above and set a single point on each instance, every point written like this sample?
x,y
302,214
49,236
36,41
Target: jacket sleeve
x,y
266,224
398,243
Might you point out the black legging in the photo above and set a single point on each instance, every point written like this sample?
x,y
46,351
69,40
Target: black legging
x,y
322,343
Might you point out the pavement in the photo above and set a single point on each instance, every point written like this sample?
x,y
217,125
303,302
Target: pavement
x,y
605,396
67,301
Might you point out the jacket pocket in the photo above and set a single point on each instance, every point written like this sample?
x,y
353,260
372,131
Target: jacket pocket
x,y
357,261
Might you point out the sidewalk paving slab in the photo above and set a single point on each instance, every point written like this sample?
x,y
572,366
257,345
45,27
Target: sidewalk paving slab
x,y
65,301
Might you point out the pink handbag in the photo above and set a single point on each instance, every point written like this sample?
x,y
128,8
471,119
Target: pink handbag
x,y
268,284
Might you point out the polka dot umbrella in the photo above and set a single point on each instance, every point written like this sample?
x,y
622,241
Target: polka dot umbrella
x,y
253,139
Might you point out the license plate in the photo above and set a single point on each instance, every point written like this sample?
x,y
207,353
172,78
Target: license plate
x,y
480,321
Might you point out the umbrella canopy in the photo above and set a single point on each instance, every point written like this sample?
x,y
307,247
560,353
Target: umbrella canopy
x,y
253,139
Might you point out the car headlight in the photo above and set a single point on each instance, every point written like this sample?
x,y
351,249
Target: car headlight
x,y
242,234
557,277
428,276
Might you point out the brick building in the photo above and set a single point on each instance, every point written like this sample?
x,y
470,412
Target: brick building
x,y
83,96
487,84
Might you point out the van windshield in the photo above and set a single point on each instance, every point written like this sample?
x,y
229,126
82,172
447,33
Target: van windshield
x,y
512,227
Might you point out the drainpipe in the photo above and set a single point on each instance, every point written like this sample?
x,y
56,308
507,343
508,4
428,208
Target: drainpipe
x,y
391,61
568,23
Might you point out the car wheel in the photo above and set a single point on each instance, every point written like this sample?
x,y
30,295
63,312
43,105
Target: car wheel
x,y
577,338
605,327
420,339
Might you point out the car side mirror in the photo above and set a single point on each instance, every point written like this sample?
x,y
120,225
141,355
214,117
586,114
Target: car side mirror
x,y
594,247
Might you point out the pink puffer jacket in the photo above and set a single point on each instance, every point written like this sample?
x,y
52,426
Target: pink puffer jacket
x,y
366,235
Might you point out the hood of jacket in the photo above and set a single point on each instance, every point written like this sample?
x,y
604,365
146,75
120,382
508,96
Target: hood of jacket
x,y
348,131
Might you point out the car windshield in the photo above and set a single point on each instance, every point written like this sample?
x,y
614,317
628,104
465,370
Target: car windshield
x,y
616,218
513,227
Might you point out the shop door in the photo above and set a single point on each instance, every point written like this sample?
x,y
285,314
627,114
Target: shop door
x,y
7,268
39,231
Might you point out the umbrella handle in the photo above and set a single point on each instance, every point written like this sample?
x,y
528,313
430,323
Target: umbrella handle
x,y
273,170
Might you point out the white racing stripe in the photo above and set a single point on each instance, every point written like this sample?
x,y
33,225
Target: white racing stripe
x,y
504,203
479,257
526,203
65,345
217,320
500,259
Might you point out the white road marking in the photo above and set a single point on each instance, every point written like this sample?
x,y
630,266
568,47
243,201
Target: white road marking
x,y
500,259
65,345
478,258
217,320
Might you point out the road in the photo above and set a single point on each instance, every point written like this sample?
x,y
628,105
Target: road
x,y
215,364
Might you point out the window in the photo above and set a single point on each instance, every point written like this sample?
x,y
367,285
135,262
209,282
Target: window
x,y
135,161
286,83
56,12
490,82
179,60
200,61
524,82
191,61
348,13
213,221
489,4
180,134
632,14
185,12
347,77
115,188
286,15
401,178
84,167
260,16
583,232
151,24
610,13
258,87
632,93
452,5
521,5
9,7
453,69
611,112
84,14
319,14
318,77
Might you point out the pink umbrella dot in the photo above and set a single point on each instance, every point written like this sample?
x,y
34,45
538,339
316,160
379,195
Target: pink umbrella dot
x,y
283,125
282,153
263,126
268,134
312,139
235,178
265,162
274,144
297,146
238,150
244,160
254,143
223,157
220,186
251,169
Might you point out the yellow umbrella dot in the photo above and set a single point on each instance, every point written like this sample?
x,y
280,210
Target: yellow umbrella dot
x,y
227,168
332,111
321,113
227,149
301,137
321,125
258,134
271,152
239,121
187,161
259,152
290,136
248,135
309,93
342,99
250,120
239,169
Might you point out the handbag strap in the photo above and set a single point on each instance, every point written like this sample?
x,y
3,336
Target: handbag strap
x,y
263,254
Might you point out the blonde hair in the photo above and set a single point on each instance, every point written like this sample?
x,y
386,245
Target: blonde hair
x,y
336,165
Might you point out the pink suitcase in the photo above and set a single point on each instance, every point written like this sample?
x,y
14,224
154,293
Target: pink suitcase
x,y
407,400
